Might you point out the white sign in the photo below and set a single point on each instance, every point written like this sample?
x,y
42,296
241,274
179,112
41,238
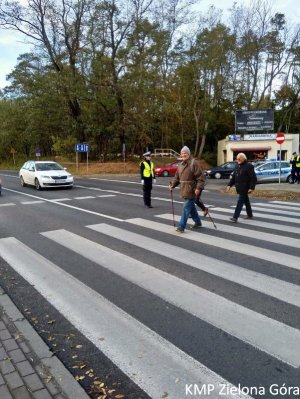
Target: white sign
x,y
261,136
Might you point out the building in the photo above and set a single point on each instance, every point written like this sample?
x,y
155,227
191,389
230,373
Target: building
x,y
257,146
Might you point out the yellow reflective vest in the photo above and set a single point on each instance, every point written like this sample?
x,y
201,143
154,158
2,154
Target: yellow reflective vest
x,y
298,161
148,169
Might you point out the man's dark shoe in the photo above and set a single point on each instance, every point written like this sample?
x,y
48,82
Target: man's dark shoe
x,y
247,217
233,220
196,226
149,206
179,230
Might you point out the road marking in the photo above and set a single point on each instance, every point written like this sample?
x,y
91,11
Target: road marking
x,y
253,222
83,198
264,216
286,203
233,229
105,196
241,248
262,332
277,206
67,206
61,199
8,204
32,202
275,211
271,286
153,363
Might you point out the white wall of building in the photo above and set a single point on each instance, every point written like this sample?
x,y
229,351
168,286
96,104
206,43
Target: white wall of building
x,y
257,146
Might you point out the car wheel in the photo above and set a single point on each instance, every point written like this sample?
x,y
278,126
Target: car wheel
x,y
289,179
218,175
23,184
37,184
165,173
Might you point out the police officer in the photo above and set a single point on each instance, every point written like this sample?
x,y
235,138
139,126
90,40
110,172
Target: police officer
x,y
147,176
293,166
297,168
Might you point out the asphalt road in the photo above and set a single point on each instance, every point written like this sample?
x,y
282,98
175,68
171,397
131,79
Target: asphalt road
x,y
152,313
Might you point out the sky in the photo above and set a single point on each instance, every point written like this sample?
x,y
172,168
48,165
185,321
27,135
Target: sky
x,y
13,44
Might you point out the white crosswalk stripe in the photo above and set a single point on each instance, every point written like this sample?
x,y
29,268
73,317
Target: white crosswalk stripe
x,y
230,317
264,215
254,222
289,204
234,229
275,211
137,351
246,249
277,206
158,365
276,288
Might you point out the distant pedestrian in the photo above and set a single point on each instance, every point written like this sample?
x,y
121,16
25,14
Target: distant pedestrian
x,y
147,177
191,179
293,167
244,179
297,168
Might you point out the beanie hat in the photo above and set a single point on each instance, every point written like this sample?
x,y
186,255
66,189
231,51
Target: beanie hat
x,y
186,150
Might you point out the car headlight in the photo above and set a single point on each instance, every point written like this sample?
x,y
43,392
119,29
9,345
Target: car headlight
x,y
158,170
208,171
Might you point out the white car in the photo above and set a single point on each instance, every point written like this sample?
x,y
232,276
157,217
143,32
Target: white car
x,y
45,174
269,172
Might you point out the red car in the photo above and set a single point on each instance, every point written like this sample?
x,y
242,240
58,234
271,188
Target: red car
x,y
167,170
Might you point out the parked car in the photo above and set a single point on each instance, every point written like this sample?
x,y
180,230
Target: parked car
x,y
269,172
0,187
42,174
167,170
221,171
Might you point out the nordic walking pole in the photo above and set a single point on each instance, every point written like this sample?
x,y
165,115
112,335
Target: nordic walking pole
x,y
172,207
211,219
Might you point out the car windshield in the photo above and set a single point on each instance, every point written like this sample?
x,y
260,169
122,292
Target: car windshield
x,y
48,166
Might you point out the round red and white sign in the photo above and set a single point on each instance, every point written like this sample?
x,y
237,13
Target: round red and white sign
x,y
280,138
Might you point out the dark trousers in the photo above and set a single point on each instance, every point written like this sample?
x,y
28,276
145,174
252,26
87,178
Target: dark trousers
x,y
243,199
147,187
293,173
200,203
297,175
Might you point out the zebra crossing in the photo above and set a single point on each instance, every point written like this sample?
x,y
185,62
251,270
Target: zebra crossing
x,y
158,364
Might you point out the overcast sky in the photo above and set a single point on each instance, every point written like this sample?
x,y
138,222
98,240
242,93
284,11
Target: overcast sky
x,y
12,44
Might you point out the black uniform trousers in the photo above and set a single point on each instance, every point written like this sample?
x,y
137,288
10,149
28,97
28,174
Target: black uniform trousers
x,y
147,187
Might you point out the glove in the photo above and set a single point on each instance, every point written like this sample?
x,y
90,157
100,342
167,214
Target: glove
x,y
142,181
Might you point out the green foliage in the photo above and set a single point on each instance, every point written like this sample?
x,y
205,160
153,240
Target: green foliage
x,y
118,71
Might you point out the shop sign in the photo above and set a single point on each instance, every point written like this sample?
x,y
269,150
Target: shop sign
x,y
260,136
261,119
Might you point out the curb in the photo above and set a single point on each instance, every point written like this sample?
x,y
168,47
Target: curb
x,y
58,371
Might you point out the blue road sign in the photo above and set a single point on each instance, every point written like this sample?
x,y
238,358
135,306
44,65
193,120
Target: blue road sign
x,y
82,147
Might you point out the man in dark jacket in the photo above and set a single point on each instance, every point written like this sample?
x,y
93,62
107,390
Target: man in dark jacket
x,y
244,179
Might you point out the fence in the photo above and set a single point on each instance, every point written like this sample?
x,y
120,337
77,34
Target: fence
x,y
165,152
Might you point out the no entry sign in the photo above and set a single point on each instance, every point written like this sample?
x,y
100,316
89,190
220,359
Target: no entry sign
x,y
280,138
